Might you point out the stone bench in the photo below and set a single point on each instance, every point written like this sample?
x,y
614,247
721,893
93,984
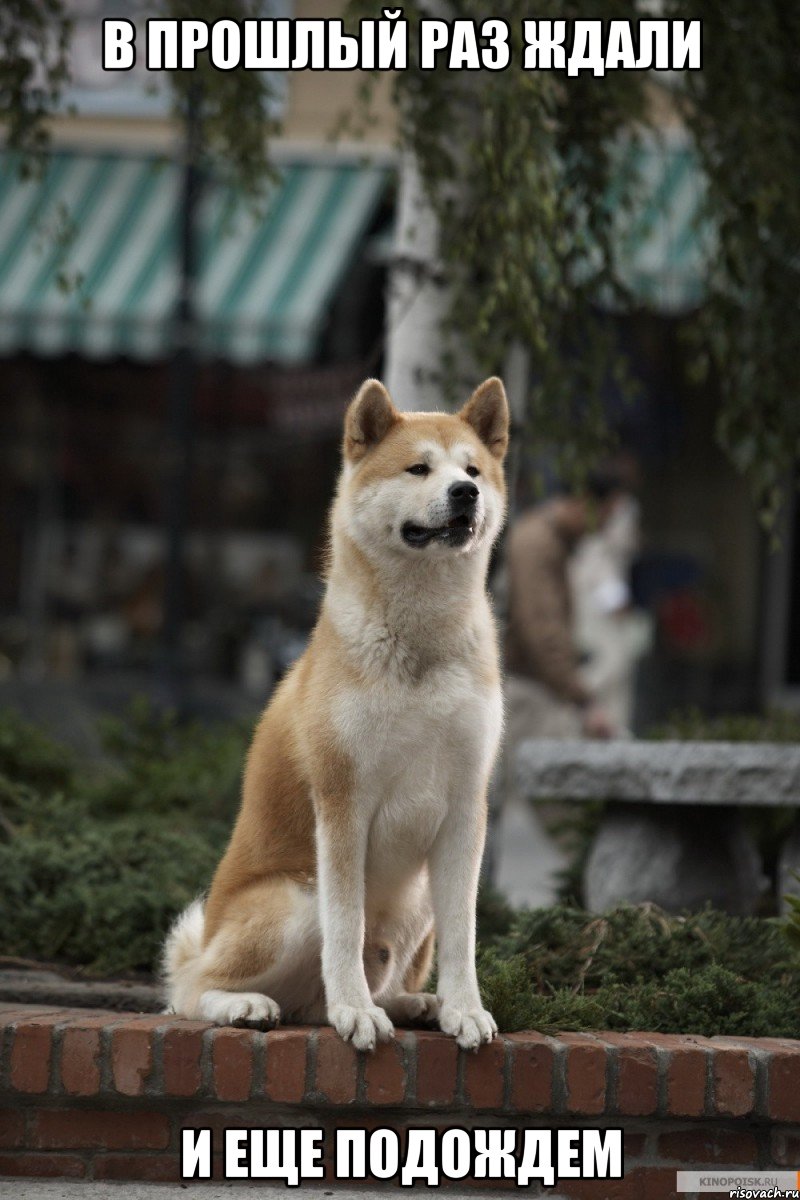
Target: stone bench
x,y
672,832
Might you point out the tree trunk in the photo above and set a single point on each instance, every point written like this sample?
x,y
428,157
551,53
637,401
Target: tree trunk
x,y
417,299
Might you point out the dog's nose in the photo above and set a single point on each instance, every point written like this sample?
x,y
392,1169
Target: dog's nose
x,y
462,494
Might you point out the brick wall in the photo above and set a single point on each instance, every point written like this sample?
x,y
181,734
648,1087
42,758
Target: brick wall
x,y
105,1095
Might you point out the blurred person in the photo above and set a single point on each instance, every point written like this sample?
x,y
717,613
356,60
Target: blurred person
x,y
611,634
547,695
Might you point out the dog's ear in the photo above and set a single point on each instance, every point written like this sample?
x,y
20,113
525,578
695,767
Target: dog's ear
x,y
369,418
487,412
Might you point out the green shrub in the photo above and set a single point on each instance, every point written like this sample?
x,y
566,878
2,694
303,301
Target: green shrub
x,y
30,756
637,968
567,947
100,894
792,923
692,725
160,765
710,1002
95,863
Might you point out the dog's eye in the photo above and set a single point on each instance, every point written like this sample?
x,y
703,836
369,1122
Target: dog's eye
x,y
472,471
419,469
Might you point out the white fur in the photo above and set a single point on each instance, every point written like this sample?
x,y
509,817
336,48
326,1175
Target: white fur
x,y
184,943
239,1008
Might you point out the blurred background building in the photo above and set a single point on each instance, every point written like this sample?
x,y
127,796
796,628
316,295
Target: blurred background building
x,y
288,315
289,310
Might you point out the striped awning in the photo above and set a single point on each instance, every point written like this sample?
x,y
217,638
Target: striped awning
x,y
89,257
663,245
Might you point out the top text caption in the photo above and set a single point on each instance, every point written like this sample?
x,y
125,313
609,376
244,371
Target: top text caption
x,y
383,44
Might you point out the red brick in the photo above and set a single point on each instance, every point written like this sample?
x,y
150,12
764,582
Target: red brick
x,y
370,1121
785,1150
11,1013
182,1049
232,1063
488,1186
80,1061
90,1019
531,1073
285,1079
628,1188
329,1179
66,1015
686,1082
585,1074
131,1058
337,1066
217,1120
686,1071
385,1073
633,1145
68,1018
31,1054
51,1166
79,1129
723,1042
734,1083
709,1147
151,1168
437,1064
637,1074
12,1128
483,1075
784,1085
773,1045
656,1183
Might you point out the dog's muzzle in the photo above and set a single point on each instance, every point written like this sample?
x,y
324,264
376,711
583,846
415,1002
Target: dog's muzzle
x,y
462,498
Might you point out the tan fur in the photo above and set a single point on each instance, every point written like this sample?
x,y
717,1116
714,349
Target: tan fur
x,y
304,770
417,974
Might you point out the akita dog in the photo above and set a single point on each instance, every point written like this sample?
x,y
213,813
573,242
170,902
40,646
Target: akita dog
x,y
363,814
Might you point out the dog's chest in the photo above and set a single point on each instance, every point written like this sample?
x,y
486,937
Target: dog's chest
x,y
415,751
393,732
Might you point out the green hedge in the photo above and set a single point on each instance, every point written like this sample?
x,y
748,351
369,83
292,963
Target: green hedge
x,y
637,968
96,859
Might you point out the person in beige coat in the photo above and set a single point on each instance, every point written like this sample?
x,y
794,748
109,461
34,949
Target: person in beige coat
x,y
545,688
545,694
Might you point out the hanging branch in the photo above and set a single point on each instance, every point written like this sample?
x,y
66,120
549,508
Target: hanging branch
x,y
519,166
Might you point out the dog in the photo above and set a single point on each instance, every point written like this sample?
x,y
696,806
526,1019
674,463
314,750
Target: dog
x,y
363,812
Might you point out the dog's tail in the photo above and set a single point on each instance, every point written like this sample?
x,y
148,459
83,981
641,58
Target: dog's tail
x,y
180,959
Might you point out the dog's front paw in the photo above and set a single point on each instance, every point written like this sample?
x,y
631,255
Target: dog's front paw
x,y
249,1009
361,1026
469,1026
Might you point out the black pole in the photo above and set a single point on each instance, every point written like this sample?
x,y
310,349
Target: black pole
x,y
182,381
